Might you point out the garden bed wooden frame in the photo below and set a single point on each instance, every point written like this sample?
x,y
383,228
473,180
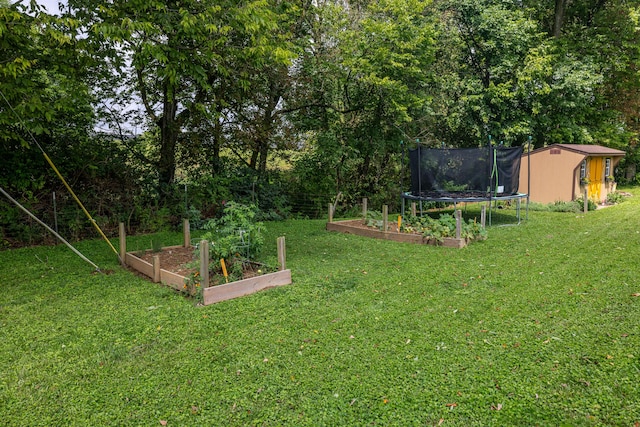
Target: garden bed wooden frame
x,y
354,226
210,294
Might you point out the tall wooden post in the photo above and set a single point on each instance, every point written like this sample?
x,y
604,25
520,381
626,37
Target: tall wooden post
x,y
282,253
364,208
330,212
483,216
458,224
204,264
186,233
413,209
385,217
123,245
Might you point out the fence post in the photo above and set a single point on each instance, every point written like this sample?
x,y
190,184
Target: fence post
x,y
282,253
385,217
364,208
413,209
123,244
156,268
483,216
55,213
330,212
204,264
458,224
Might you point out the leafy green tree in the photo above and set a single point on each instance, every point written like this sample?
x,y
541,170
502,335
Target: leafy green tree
x,y
364,76
177,60
42,94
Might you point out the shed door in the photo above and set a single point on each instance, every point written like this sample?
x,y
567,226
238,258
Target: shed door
x,y
596,178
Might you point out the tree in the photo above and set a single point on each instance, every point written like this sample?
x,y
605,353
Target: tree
x,y
177,60
42,94
362,81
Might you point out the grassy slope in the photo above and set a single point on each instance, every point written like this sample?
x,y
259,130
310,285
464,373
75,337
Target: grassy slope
x,y
536,325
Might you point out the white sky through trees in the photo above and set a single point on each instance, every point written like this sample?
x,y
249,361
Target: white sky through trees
x,y
51,5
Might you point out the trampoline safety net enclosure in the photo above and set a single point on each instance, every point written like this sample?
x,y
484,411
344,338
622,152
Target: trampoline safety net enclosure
x,y
464,173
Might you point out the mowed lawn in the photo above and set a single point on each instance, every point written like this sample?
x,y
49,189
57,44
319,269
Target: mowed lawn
x,y
537,325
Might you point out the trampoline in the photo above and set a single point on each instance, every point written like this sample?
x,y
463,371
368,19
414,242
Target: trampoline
x,y
465,175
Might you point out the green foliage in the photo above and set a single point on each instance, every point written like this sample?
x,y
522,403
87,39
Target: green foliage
x,y
615,197
179,66
444,226
236,234
591,205
575,206
374,219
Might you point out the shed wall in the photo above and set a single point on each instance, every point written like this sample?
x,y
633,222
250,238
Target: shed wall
x,y
553,175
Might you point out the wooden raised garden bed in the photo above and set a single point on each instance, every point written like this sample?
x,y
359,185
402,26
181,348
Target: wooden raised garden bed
x,y
210,294
358,228
389,230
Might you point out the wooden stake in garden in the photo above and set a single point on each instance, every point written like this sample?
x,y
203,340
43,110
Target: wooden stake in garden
x,y
186,232
123,244
282,253
385,217
204,264
364,208
224,270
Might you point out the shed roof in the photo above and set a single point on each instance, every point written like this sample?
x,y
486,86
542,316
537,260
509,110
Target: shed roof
x,y
589,150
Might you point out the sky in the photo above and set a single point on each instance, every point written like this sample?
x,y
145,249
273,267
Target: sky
x,y
51,5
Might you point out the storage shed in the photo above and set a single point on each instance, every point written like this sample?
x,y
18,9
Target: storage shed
x,y
561,172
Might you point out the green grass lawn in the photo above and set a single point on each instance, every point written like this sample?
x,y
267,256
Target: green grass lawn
x,y
537,325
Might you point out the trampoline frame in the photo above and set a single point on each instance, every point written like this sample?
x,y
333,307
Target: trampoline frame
x,y
474,199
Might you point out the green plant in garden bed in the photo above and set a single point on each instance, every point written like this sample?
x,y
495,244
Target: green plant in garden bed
x,y
237,238
374,219
441,228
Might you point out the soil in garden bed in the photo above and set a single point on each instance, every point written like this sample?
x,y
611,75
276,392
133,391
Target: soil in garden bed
x,y
392,225
183,261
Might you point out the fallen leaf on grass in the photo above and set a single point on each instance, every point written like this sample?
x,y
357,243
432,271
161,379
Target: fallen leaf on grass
x,y
451,405
637,294
163,422
496,407
441,421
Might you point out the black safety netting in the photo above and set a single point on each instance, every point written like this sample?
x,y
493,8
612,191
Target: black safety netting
x,y
465,172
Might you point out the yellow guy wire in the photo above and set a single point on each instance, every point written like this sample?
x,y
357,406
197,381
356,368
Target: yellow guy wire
x,y
95,224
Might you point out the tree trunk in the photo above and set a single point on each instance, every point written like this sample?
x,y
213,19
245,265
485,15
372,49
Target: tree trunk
x,y
215,148
168,140
558,17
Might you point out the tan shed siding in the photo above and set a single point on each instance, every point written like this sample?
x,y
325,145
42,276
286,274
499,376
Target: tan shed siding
x,y
553,174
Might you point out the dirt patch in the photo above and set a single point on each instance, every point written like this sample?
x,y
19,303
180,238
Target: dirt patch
x,y
183,261
179,260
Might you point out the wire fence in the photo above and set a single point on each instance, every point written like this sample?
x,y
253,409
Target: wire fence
x,y
62,214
